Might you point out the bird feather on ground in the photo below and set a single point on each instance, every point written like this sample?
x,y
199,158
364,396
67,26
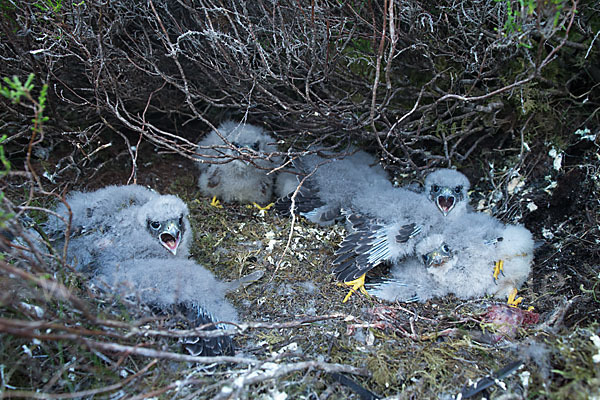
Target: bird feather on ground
x,y
118,223
237,171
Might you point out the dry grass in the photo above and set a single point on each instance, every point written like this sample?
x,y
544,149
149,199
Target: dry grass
x,y
511,98
298,331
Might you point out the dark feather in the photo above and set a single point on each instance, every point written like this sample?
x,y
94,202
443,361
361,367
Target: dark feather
x,y
331,214
407,232
484,383
361,391
341,269
307,200
351,270
343,257
191,316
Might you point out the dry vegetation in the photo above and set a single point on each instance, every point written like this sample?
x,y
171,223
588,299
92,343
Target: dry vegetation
x,y
507,91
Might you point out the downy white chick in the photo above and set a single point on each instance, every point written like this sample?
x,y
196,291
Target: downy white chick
x,y
118,223
386,224
237,170
177,287
460,260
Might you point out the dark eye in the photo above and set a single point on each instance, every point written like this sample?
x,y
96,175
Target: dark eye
x,y
446,248
180,220
458,189
235,144
435,188
255,146
155,225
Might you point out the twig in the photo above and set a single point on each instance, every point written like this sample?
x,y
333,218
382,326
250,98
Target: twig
x,y
13,394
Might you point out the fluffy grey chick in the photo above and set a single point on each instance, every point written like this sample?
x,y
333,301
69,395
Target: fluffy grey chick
x,y
386,224
479,243
176,287
409,280
235,176
117,223
93,208
333,184
460,260
448,190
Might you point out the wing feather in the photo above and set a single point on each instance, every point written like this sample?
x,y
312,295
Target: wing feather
x,y
368,245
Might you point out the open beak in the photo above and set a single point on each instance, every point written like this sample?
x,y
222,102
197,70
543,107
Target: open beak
x,y
445,201
170,237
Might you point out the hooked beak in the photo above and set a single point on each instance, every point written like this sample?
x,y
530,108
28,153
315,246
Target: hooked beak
x,y
170,237
435,258
445,201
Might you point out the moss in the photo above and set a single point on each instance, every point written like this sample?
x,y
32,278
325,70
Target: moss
x,y
425,350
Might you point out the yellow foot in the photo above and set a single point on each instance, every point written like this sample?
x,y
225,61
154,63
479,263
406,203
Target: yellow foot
x,y
215,202
267,207
513,300
498,269
357,284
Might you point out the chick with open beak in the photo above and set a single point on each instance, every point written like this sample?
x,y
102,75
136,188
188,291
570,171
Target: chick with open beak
x,y
168,232
119,223
445,200
167,226
447,189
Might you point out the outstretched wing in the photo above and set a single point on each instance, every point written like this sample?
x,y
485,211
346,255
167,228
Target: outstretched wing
x,y
368,245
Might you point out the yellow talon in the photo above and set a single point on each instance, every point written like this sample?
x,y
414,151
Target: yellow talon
x,y
498,268
215,202
267,207
357,284
513,300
